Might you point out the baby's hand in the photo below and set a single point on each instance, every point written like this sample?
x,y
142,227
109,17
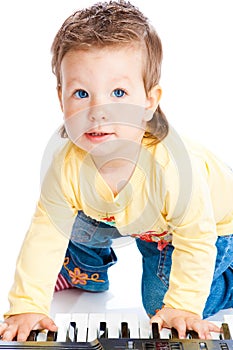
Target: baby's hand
x,y
182,321
18,327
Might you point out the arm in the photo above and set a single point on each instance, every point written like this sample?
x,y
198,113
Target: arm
x,y
41,256
189,285
39,262
193,259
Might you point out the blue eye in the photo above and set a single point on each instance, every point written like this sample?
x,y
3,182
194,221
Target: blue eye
x,y
118,93
81,94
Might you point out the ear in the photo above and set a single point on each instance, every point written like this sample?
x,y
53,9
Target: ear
x,y
153,98
59,93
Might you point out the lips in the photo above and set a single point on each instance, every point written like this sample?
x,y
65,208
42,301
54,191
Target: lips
x,y
97,133
97,136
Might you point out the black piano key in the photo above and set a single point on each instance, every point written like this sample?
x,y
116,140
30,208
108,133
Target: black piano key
x,y
51,336
103,330
192,335
226,331
33,335
174,333
71,335
125,333
155,330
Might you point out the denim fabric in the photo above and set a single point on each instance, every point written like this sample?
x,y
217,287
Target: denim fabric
x,y
155,276
221,293
89,255
156,271
92,233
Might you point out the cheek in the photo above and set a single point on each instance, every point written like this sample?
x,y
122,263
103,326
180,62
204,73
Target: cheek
x,y
127,115
134,133
76,124
68,110
68,103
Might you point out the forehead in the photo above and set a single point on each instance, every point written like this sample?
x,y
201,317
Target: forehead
x,y
134,48
108,58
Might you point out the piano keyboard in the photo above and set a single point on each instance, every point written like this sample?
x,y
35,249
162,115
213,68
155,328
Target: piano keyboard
x,y
108,331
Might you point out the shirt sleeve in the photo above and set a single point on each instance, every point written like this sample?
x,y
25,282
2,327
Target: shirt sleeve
x,y
43,250
194,238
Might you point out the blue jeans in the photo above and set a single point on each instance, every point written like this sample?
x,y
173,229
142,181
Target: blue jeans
x,y
89,255
156,272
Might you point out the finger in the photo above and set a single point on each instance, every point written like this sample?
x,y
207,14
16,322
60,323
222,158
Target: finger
x,y
159,320
180,325
47,323
23,331
209,327
203,328
204,333
10,333
23,334
3,327
213,327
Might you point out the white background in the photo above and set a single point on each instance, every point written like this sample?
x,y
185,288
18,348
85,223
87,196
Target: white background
x,y
197,79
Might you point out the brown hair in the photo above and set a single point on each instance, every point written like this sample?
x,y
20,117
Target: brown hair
x,y
114,23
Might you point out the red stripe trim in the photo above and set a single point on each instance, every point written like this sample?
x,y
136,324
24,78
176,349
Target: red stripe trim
x,y
62,283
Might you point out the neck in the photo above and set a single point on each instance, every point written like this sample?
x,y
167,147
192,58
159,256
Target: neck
x,y
120,160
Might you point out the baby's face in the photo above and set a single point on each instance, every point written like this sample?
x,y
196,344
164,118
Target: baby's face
x,y
103,97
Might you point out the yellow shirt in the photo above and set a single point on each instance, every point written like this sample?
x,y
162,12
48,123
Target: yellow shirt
x,y
177,186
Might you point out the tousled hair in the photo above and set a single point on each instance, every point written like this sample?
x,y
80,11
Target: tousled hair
x,y
114,23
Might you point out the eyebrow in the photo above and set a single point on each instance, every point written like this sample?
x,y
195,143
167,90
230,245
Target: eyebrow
x,y
119,79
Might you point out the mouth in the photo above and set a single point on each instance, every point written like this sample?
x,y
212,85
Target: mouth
x,y
97,136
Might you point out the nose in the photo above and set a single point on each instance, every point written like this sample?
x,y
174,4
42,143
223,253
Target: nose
x,y
97,114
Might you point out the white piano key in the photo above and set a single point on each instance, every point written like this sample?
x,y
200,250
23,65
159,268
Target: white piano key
x,y
42,336
229,320
81,320
133,324
165,333
94,320
145,330
62,320
114,324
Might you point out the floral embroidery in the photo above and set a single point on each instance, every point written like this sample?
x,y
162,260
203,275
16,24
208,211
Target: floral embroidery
x,y
163,238
110,220
78,277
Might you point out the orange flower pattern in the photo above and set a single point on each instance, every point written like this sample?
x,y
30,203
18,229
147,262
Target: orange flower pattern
x,y
78,277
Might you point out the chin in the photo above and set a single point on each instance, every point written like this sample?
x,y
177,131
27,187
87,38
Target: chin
x,y
101,152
